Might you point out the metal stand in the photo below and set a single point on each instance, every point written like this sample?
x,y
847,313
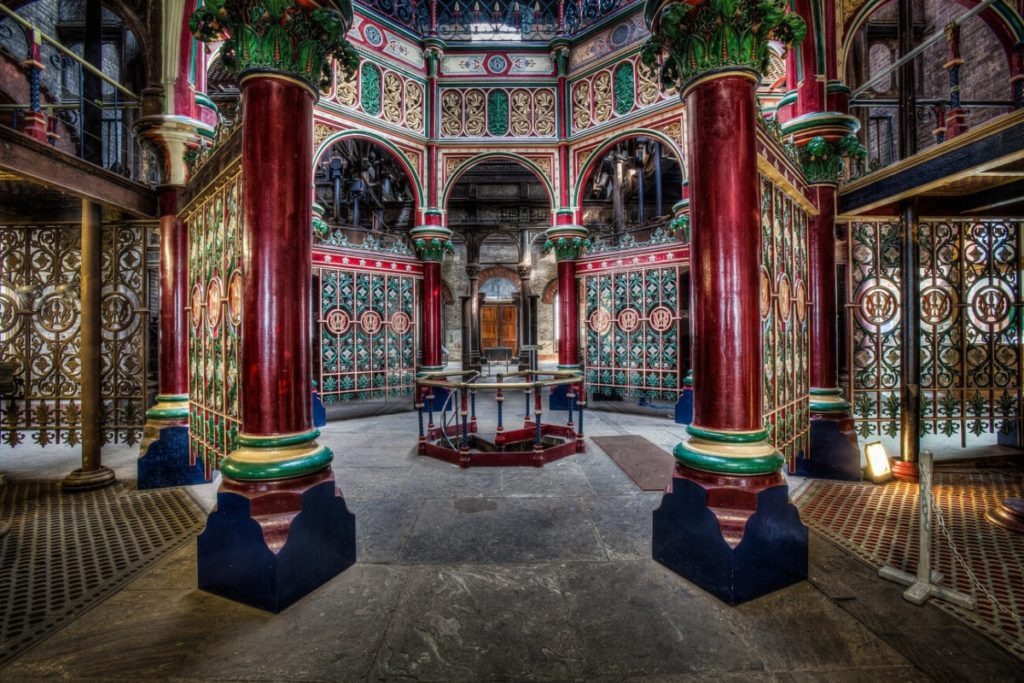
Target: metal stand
x,y
925,584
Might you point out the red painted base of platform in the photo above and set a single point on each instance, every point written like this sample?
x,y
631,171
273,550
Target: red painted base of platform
x,y
504,458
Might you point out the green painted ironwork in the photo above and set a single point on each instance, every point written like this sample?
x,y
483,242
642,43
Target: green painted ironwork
x,y
624,88
214,343
369,89
632,334
367,326
971,344
497,112
785,321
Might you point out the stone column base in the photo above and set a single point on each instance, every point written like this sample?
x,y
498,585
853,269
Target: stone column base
x,y
834,451
736,537
269,543
905,471
165,459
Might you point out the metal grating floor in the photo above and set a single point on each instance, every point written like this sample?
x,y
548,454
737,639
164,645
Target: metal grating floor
x,y
65,553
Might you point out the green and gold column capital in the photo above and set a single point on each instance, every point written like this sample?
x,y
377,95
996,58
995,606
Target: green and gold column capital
x,y
278,456
824,141
679,225
692,39
432,242
300,39
568,241
170,407
828,401
729,452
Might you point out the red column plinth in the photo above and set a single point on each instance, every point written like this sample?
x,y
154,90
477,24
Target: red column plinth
x,y
432,312
568,316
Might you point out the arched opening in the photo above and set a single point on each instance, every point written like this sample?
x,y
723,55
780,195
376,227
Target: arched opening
x,y
363,187
631,187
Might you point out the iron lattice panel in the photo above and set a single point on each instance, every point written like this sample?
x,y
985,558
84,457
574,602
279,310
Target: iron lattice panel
x,y
215,319
367,324
970,326
632,336
40,331
784,323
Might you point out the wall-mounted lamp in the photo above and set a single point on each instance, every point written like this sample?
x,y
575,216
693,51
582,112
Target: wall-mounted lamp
x,y
878,462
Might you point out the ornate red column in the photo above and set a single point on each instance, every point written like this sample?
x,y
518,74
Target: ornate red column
x,y
281,527
164,458
432,242
725,522
568,243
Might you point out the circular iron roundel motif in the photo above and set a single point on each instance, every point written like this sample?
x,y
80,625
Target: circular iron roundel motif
x,y
337,321
938,303
497,64
400,323
785,294
629,319
10,319
990,303
661,318
877,305
235,298
766,294
800,301
56,315
620,35
373,35
214,294
600,321
197,299
370,321
119,308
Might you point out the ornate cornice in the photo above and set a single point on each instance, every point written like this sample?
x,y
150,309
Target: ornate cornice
x,y
698,37
297,38
568,241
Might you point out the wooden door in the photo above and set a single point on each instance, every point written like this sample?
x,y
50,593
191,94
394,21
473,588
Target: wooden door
x,y
509,316
488,326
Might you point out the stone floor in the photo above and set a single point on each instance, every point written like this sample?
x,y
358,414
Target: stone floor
x,y
499,574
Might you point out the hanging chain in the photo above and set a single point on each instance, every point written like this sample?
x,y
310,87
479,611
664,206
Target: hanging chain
x,y
972,577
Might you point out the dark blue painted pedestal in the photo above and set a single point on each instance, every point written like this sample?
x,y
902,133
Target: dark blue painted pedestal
x,y
684,407
319,412
558,399
833,451
236,551
166,461
771,555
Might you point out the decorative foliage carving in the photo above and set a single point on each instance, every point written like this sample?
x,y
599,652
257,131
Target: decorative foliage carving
x,y
544,112
581,105
369,98
624,95
414,106
476,117
278,35
697,38
497,112
451,113
648,88
824,162
602,97
348,89
522,124
392,99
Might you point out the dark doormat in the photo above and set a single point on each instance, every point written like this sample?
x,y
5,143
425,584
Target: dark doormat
x,y
646,463
66,552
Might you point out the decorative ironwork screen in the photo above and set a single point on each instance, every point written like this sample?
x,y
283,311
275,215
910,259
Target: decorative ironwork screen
x,y
215,317
970,325
632,331
784,308
367,322
40,321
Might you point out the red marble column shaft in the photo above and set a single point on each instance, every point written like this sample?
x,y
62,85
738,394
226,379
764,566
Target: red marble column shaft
x,y
568,314
432,311
173,296
277,147
724,254
821,273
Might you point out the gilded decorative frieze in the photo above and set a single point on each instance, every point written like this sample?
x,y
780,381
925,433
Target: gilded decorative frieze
x,y
476,115
348,90
414,106
581,105
602,97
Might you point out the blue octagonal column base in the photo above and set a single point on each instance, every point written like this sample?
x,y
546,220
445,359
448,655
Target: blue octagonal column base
x,y
165,460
